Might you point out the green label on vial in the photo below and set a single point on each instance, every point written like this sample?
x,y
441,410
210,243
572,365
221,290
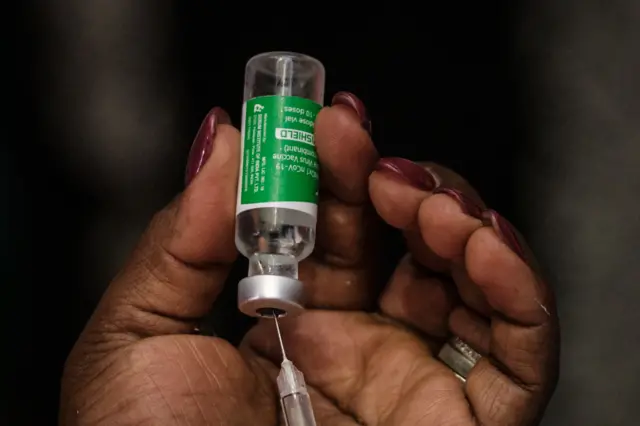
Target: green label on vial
x,y
279,160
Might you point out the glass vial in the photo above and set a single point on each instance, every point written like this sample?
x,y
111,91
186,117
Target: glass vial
x,y
278,184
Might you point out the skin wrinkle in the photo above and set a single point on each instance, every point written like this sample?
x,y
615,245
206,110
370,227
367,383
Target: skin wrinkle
x,y
403,388
128,404
192,391
138,310
210,374
142,324
504,371
110,379
262,378
482,273
83,379
347,405
446,393
335,215
220,357
332,418
361,378
128,400
174,261
430,342
104,417
429,329
338,261
158,389
381,349
96,347
154,269
523,325
409,374
341,407
500,351
498,409
429,410
495,406
90,404
129,323
107,341
193,394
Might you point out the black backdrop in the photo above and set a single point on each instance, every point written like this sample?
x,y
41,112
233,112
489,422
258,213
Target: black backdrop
x,y
439,86
446,83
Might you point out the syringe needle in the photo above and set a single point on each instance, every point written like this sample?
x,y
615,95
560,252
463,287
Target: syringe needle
x,y
284,355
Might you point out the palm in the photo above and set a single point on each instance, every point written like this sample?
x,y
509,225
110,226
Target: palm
x,y
201,379
362,370
184,379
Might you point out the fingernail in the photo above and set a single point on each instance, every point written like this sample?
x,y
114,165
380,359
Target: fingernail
x,y
410,172
352,101
468,206
505,231
203,143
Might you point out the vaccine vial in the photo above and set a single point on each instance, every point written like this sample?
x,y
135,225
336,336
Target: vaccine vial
x,y
277,202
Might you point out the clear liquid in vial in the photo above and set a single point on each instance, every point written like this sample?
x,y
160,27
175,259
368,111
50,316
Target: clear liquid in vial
x,y
275,239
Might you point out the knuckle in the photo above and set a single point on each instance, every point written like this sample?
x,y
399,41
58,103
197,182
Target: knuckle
x,y
344,232
444,228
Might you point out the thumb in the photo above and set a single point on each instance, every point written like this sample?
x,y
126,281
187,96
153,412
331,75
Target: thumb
x,y
183,258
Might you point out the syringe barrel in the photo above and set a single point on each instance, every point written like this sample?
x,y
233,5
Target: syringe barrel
x,y
297,410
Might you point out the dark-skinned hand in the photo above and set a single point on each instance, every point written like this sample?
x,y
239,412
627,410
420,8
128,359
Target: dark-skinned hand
x,y
466,273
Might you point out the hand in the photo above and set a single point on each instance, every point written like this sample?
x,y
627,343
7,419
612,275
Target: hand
x,y
467,273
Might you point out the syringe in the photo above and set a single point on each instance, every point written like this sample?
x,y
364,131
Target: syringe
x,y
294,398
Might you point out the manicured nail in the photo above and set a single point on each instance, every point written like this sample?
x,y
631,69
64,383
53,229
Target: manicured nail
x,y
505,231
410,172
203,143
468,206
352,101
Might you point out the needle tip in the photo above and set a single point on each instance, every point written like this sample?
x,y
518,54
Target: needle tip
x,y
284,355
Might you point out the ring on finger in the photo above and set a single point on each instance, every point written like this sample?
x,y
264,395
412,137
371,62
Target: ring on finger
x,y
459,357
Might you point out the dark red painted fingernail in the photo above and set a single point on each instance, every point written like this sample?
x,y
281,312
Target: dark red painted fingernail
x,y
352,101
410,172
468,206
203,143
505,231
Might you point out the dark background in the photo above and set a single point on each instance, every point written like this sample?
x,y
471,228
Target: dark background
x,y
537,103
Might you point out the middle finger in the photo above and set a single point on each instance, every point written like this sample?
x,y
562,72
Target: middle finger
x,y
340,272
